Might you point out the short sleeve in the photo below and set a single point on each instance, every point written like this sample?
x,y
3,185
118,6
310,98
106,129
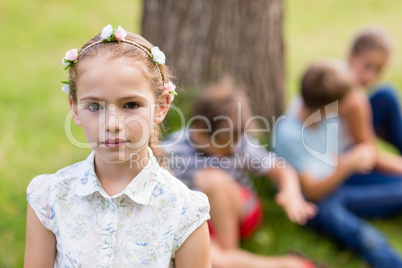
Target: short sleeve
x,y
38,197
259,160
194,212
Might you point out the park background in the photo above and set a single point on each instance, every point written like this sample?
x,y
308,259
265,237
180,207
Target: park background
x,y
34,38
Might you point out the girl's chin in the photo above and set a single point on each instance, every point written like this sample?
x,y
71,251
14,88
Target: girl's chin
x,y
118,155
113,156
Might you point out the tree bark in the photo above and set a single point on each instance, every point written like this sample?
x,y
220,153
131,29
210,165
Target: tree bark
x,y
206,39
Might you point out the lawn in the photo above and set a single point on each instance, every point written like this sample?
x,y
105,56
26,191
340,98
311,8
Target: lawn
x,y
33,109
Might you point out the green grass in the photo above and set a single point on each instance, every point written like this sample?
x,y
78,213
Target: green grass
x,y
35,36
278,235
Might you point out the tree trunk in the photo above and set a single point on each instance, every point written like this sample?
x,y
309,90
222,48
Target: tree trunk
x,y
206,39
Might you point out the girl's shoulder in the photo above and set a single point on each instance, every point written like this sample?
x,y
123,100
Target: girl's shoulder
x,y
175,187
191,204
48,193
187,209
62,180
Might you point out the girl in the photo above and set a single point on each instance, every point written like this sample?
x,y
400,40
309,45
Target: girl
x,y
119,207
380,114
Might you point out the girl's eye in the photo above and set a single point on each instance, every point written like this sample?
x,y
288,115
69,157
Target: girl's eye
x,y
94,107
131,105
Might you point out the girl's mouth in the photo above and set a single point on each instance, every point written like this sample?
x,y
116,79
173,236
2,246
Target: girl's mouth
x,y
114,143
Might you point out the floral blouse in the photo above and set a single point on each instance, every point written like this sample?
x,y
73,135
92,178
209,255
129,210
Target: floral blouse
x,y
142,226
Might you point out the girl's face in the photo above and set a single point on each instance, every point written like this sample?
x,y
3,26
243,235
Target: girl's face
x,y
368,66
116,107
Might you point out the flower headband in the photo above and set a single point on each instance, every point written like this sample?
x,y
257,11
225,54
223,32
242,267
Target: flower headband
x,y
111,34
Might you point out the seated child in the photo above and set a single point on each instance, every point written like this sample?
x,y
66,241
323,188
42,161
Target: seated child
x,y
379,114
214,155
309,141
119,207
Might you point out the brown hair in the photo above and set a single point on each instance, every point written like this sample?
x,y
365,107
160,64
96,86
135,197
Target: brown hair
x,y
324,82
122,49
370,38
223,98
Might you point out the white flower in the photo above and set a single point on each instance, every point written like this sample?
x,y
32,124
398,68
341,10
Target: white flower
x,y
64,62
107,32
65,88
157,55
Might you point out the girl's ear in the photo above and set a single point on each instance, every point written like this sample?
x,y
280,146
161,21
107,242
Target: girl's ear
x,y
162,107
73,110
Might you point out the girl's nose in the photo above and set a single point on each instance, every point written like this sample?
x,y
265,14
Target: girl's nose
x,y
114,121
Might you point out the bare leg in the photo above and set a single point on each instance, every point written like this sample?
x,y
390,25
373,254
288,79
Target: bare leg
x,y
238,258
224,196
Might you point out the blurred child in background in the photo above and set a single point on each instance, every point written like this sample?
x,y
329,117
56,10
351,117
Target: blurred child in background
x,y
214,156
379,114
309,141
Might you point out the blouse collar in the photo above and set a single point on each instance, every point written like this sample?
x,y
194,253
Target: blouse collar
x,y
139,189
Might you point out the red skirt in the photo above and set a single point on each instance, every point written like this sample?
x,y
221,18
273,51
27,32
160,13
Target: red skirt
x,y
252,214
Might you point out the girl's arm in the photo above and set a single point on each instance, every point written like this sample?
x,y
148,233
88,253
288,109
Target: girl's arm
x,y
357,113
40,248
387,162
195,251
360,158
317,190
289,196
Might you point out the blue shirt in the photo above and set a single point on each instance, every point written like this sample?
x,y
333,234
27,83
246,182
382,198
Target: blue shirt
x,y
311,148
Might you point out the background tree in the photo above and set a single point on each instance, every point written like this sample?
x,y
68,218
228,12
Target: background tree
x,y
205,40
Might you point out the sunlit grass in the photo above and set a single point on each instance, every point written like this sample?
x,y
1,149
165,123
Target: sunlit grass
x,y
316,29
35,36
